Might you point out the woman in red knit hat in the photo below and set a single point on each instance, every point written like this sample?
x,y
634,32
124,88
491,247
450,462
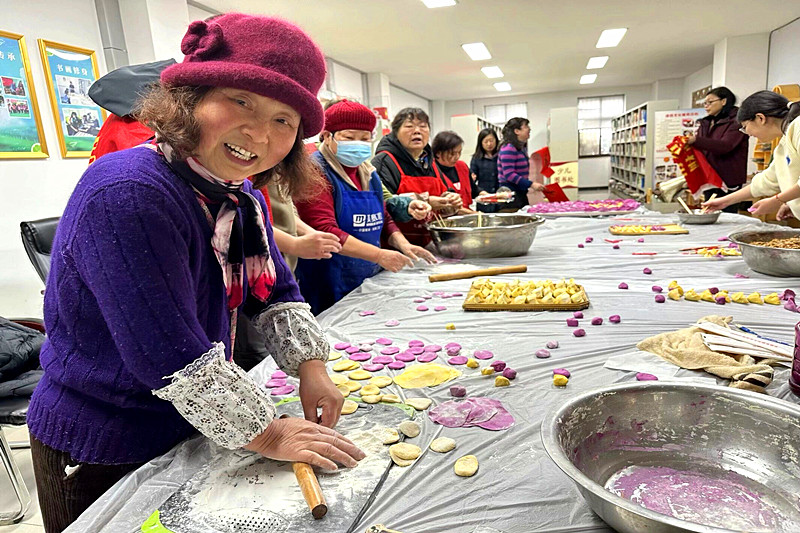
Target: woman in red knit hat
x,y
159,249
351,207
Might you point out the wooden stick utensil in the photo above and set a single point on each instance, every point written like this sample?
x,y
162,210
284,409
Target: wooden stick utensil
x,y
493,271
709,199
680,201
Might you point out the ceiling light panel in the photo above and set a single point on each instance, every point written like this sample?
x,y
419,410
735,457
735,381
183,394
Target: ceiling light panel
x,y
610,38
432,4
476,51
596,62
586,79
502,86
492,72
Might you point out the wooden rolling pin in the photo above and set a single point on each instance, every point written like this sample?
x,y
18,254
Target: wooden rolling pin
x,y
311,489
492,271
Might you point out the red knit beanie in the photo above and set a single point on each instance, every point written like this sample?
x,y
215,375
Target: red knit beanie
x,y
347,115
264,55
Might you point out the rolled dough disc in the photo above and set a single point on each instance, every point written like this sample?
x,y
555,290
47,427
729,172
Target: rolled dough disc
x,y
359,374
344,390
420,404
371,398
404,454
370,390
381,381
409,429
352,386
391,398
390,435
443,444
345,364
349,407
466,466
338,379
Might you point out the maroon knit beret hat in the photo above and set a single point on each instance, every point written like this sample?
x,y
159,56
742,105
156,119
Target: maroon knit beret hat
x,y
264,55
347,115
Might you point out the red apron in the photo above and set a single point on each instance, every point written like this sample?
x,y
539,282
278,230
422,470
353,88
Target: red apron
x,y
415,230
464,185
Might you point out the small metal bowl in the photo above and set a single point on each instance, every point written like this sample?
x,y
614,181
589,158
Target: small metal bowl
x,y
499,235
781,262
713,433
698,218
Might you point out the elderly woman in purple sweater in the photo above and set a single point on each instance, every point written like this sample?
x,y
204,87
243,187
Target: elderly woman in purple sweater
x,y
158,250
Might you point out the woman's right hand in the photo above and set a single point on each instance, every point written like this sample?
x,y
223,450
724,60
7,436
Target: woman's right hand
x,y
438,203
317,245
785,213
298,440
717,204
393,261
418,209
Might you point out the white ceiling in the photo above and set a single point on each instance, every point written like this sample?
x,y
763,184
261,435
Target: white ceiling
x,y
541,45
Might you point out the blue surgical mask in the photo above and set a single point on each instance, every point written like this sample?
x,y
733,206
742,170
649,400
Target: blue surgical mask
x,y
353,153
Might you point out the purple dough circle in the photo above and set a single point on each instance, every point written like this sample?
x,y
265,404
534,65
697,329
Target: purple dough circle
x,y
644,376
482,354
457,360
360,356
391,323
341,345
562,372
352,349
457,294
390,350
542,354
405,357
452,345
372,367
396,365
280,391
384,341
273,383
366,313
419,300
422,308
427,297
415,343
416,350
279,374
427,357
433,348
440,308
383,359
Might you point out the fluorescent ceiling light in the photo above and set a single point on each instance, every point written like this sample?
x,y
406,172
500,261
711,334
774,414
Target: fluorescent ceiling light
x,y
596,62
477,51
492,72
586,79
610,38
502,86
431,4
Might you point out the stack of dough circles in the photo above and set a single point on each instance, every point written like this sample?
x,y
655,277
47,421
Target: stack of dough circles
x,y
404,454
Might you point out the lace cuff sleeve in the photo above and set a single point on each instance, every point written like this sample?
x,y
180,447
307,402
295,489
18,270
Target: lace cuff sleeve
x,y
219,399
292,335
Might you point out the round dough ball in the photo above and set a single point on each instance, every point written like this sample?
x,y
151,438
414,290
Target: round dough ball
x,y
338,379
443,444
420,404
409,429
466,466
407,452
370,390
344,390
381,381
345,364
391,398
390,435
371,398
352,386
349,407
359,374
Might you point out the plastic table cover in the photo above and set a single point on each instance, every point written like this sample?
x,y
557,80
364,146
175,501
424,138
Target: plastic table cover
x,y
517,487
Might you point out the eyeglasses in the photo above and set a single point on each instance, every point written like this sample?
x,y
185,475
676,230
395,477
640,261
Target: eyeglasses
x,y
709,102
744,130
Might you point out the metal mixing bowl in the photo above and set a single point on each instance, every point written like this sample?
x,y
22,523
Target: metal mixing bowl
x,y
698,218
706,429
782,262
499,235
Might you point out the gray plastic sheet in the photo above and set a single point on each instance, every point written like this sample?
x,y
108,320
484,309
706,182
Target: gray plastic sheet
x,y
517,488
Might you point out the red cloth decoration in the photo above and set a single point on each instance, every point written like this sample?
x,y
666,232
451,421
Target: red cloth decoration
x,y
554,193
694,166
542,158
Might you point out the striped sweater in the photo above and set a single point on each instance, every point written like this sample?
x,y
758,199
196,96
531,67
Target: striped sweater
x,y
513,168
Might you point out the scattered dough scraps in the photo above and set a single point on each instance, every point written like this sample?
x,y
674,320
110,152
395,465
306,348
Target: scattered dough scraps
x,y
381,381
370,390
466,466
420,404
409,428
349,407
345,365
371,398
426,375
359,374
404,454
443,444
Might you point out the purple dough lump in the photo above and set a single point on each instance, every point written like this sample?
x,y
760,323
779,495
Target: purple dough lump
x,y
416,350
720,300
498,365
352,349
616,247
457,360
597,321
579,332
572,322
453,351
419,300
458,391
647,270
589,239
580,245
577,314
509,373
713,290
452,345
562,372
542,354
622,285
640,239
482,354
615,319
552,344
660,299
657,288
644,376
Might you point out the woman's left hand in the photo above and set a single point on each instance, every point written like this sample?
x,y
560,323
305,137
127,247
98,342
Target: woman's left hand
x,y
785,213
318,391
419,209
691,138
415,253
765,206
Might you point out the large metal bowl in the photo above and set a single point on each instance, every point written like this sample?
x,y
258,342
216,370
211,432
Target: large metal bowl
x,y
698,218
782,262
716,432
499,235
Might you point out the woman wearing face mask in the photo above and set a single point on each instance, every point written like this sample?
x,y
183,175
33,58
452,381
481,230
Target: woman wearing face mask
x,y
446,147
352,208
721,142
769,116
513,164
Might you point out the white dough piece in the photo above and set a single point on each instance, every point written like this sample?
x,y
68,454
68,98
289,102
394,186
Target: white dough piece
x,y
420,404
443,444
466,466
409,429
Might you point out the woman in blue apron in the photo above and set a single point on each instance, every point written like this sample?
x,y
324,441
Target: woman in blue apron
x,y
351,208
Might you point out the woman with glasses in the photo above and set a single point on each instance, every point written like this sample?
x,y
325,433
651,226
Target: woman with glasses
x,y
769,116
721,142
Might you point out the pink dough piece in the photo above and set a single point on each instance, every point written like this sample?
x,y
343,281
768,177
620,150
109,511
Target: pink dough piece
x,y
542,353
440,308
427,357
419,300
433,348
577,314
457,360
452,352
458,391
509,373
713,290
579,332
422,308
589,239
416,350
427,297
615,319
352,349
740,276
580,245
391,323
384,341
366,343
390,350
382,359
640,239
365,347
552,344
647,271
597,321
279,374
657,288
372,367
438,293
280,391
452,345
366,313
644,376
562,372
720,300
482,354
271,384
572,322
445,296
360,356
660,299
415,343
623,285
498,365
396,365
341,345
616,247
457,294
405,357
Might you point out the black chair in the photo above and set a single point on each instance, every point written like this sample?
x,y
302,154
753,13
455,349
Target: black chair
x,y
37,238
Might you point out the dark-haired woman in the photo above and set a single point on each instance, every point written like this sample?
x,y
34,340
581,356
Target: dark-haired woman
x,y
768,116
159,249
447,147
513,165
721,142
483,167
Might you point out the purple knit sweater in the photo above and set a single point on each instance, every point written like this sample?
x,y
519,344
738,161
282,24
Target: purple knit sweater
x,y
135,293
513,168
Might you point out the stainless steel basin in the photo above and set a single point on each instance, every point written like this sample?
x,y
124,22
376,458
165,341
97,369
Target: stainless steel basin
x,y
781,262
487,235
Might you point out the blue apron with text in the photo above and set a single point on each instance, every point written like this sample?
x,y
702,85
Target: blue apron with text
x,y
323,282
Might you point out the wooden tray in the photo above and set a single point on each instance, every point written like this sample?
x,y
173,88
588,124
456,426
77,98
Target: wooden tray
x,y
524,307
670,229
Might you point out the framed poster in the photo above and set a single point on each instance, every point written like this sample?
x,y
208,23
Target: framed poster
x,y
669,124
70,71
21,134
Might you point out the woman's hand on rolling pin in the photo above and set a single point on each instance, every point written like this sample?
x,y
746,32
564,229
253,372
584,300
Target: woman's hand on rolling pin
x,y
418,209
317,391
298,440
393,261
317,245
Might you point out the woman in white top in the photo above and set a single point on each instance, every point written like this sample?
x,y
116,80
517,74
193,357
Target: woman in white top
x,y
768,116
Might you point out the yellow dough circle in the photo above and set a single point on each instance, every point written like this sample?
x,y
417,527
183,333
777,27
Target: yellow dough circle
x,y
349,407
359,374
466,466
346,364
426,375
391,398
344,390
333,356
371,398
338,379
370,390
352,386
381,381
443,444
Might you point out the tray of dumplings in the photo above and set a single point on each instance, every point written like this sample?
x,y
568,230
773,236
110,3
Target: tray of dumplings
x,y
525,295
648,229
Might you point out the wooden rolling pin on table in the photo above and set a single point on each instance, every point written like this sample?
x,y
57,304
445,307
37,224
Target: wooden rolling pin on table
x,y
312,492
492,271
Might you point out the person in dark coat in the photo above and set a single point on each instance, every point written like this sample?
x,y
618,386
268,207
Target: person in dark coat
x,y
721,142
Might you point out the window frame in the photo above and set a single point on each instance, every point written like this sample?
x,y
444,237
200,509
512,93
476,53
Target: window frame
x,y
505,112
601,118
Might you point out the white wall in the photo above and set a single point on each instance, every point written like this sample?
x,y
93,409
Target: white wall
x,y
401,98
694,82
33,189
197,13
784,61
347,82
667,89
151,36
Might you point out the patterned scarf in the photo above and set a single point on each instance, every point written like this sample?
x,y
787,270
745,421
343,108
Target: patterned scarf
x,y
236,242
